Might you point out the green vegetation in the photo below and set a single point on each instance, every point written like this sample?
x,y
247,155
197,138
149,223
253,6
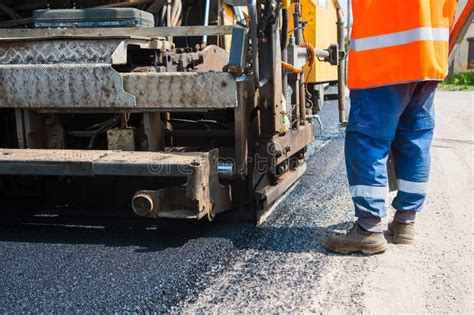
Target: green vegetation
x,y
463,81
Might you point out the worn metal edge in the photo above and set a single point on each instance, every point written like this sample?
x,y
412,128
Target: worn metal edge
x,y
150,32
267,213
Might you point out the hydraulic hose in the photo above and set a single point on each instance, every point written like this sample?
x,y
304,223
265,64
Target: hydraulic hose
x,y
267,15
290,68
252,8
285,5
284,28
312,53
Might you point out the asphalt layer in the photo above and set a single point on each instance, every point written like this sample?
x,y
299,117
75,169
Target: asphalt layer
x,y
114,265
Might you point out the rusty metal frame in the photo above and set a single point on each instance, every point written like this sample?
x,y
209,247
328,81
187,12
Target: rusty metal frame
x,y
244,128
280,148
199,169
271,80
270,194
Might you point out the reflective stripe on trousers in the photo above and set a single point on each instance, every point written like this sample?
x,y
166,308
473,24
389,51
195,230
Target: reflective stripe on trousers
x,y
412,187
405,129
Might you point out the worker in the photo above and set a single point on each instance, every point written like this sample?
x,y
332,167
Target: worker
x,y
398,53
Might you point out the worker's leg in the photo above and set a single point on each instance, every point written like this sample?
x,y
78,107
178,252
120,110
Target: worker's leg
x,y
373,121
411,152
412,165
366,159
366,162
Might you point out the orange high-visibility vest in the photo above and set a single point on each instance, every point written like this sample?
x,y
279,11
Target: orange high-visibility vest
x,y
399,41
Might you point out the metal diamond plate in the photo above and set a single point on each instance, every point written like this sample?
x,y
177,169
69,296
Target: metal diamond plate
x,y
58,51
64,73
182,90
62,86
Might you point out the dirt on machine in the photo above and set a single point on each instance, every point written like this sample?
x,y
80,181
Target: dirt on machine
x,y
161,109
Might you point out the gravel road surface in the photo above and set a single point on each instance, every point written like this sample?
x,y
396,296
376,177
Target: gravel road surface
x,y
64,265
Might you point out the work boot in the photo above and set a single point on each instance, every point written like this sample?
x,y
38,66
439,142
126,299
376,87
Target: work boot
x,y
403,233
357,240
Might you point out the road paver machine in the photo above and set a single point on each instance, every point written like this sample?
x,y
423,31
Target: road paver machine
x,y
167,108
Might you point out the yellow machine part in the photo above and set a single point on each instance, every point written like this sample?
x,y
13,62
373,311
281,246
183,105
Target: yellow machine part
x,y
320,31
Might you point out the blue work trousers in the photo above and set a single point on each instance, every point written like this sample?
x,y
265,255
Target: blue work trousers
x,y
398,119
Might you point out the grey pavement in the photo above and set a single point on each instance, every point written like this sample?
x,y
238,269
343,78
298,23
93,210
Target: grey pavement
x,y
196,267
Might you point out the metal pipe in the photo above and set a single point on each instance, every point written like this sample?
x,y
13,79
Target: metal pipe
x,y
168,17
348,18
206,19
220,21
302,102
321,53
297,24
284,57
300,84
20,128
252,8
341,68
143,203
297,99
284,29
284,83
200,133
225,168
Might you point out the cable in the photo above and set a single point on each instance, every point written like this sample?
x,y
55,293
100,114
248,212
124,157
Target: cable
x,y
96,129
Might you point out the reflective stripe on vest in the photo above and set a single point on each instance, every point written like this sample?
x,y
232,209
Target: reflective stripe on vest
x,y
400,38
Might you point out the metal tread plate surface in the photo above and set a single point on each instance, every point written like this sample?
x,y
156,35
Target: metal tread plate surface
x,y
58,51
182,89
98,86
77,74
62,86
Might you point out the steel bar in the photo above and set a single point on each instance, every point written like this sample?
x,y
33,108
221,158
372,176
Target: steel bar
x,y
99,162
206,19
302,98
321,53
270,194
147,32
200,133
252,9
341,67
